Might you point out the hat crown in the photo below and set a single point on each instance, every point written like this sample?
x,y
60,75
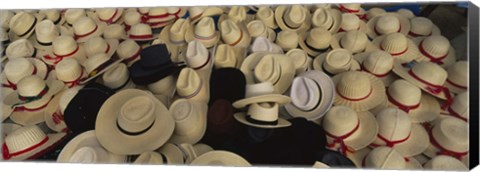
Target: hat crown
x,y
266,111
421,26
194,11
106,13
96,45
406,13
178,30
136,114
132,18
300,59
267,70
197,54
352,6
225,56
265,14
143,10
24,138
30,86
63,45
354,40
294,16
116,76
258,89
95,61
445,162
458,72
287,39
21,22
350,22
394,43
452,134
340,120
149,158
257,28
372,12
186,114
430,72
89,154
18,68
237,13
460,104
140,29
84,25
205,27
188,82
51,14
114,31
436,45
5,17
385,158
230,31
321,18
46,31
305,93
338,60
319,38
73,14
20,48
404,92
354,85
68,70
394,124
378,62
387,24
127,48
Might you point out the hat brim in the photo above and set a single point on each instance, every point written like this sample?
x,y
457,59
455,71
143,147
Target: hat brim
x,y
172,153
224,157
366,133
115,62
6,111
189,36
338,37
376,97
387,80
411,54
403,73
427,111
404,24
337,20
52,142
280,10
52,108
413,164
454,89
200,126
357,156
416,143
311,52
109,135
98,32
86,139
54,86
241,117
113,43
435,31
277,98
327,92
210,11
447,61
317,63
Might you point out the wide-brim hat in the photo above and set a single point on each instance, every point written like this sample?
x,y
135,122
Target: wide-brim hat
x,y
280,11
317,63
409,55
242,118
109,134
448,61
53,111
338,37
416,142
404,24
376,97
428,109
386,79
54,86
325,101
86,139
193,112
207,12
287,69
308,48
223,158
445,163
337,19
366,133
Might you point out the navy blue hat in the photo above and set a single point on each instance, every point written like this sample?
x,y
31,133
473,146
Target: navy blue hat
x,y
154,65
334,159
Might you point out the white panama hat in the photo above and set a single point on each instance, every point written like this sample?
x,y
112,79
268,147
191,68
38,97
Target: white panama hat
x,y
387,23
190,121
436,49
335,62
457,80
378,63
222,158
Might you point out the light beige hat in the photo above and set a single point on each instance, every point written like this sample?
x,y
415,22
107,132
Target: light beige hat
x,y
172,153
347,130
459,107
316,41
197,12
117,78
157,15
260,92
221,158
225,57
29,142
402,49
373,12
191,86
406,13
277,69
19,68
151,158
384,158
22,25
262,44
335,62
175,34
397,131
200,59
85,148
203,31
54,115
136,119
191,152
422,26
312,95
437,49
387,23
320,165
54,15
358,156
70,72
6,129
165,86
267,16
353,8
301,60
447,163
287,40
97,44
109,15
256,28
190,121
237,14
378,63
234,34
403,95
358,90
262,115
85,28
20,48
428,76
293,18
115,31
98,64
129,51
329,19
352,22
6,16
141,32
457,80
354,41
65,47
449,136
45,33
73,14
131,18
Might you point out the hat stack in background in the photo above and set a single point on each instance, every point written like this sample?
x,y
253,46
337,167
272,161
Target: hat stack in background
x,y
314,85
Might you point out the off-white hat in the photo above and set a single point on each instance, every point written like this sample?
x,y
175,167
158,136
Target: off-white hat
x,y
200,59
387,23
352,22
129,51
174,34
266,15
260,92
98,64
197,13
5,19
436,49
457,80
45,33
85,28
448,136
354,41
221,158
117,78
287,40
406,13
20,48
115,31
459,107
73,14
384,158
54,15
301,60
373,12
64,47
131,18
335,62
399,46
238,14
141,32
422,26
262,44
329,19
19,68
257,28
190,120
443,162
316,41
353,8
378,63
293,18
225,57
22,25
234,34
203,31
97,44
165,86
109,15
70,72
190,85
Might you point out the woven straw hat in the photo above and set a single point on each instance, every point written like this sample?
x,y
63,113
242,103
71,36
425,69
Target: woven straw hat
x,y
225,57
352,22
335,62
45,33
287,40
191,152
221,158
260,92
447,163
262,115
436,49
197,13
191,86
353,8
422,26
109,15
141,32
164,86
73,14
19,68
457,80
29,142
136,119
347,130
65,47
316,41
95,45
70,72
235,34
266,15
190,120
399,46
358,90
373,12
54,112
329,19
200,59
459,107
20,48
406,13
175,34
5,19
204,32
293,18
397,131
384,158
301,60
98,64
85,148
358,156
238,14
131,18
262,44
22,25
387,23
117,78
54,15
115,31
449,136
378,63
354,41
312,95
256,28
129,51
85,28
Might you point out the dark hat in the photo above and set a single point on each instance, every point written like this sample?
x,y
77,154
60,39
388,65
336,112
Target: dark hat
x,y
334,159
154,65
221,125
228,84
81,113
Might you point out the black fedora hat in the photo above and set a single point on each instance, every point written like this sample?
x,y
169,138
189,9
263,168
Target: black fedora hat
x,y
228,84
154,65
81,112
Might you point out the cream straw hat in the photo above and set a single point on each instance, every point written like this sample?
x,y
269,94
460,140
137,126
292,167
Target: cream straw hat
x,y
85,28
260,92
65,47
257,28
129,51
387,23
262,44
190,121
378,63
197,12
266,15
329,19
165,86
353,8
225,57
316,41
457,80
20,48
131,18
22,25
293,18
406,13
234,34
117,78
287,40
191,86
19,68
109,15
54,15
354,41
436,49
449,136
459,107
399,46
54,114
200,59
115,31
98,64
384,158
352,22
422,26
204,32
174,34
141,32
70,72
301,60
446,163
335,62
222,158
95,45
373,12
45,33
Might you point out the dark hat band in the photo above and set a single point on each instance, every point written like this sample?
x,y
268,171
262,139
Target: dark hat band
x,y
134,133
254,121
29,29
